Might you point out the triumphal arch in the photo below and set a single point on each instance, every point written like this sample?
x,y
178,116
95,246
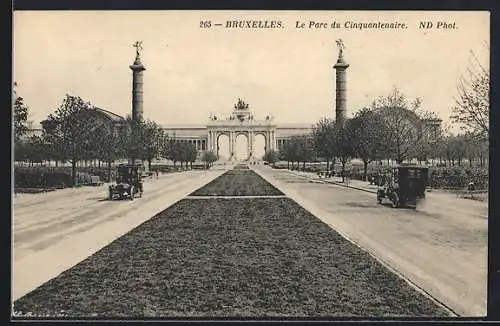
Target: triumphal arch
x,y
240,122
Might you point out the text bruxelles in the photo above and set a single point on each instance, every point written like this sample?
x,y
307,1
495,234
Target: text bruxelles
x,y
254,24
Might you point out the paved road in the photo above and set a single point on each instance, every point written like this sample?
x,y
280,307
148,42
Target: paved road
x,y
54,231
444,253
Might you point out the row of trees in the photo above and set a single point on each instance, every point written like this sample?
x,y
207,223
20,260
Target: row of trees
x,y
391,128
76,132
394,128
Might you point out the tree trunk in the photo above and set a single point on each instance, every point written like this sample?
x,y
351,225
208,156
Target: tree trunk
x,y
149,165
327,165
365,170
343,171
73,172
304,166
109,171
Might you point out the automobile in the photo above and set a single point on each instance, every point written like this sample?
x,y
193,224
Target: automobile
x,y
404,186
128,182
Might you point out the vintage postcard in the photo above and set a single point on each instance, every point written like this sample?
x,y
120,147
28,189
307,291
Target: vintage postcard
x,y
250,164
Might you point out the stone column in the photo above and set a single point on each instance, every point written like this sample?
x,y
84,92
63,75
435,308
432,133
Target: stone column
x,y
137,88
230,146
215,143
137,95
250,145
233,147
341,89
266,146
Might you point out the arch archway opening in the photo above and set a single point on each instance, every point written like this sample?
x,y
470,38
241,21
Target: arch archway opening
x,y
223,147
259,146
241,148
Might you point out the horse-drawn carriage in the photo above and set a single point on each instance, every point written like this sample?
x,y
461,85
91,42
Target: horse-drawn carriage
x,y
404,186
128,182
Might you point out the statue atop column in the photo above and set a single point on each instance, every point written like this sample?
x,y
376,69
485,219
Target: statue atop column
x,y
340,84
138,47
341,47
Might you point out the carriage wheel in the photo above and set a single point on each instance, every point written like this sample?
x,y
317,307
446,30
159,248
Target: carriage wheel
x,y
395,200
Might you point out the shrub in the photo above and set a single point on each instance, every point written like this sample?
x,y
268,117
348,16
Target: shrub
x,y
458,177
41,178
57,177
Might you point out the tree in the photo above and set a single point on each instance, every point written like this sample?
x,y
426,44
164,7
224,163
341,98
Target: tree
x,y
188,153
69,130
134,146
288,152
208,158
324,140
472,105
306,149
271,157
151,137
401,123
111,142
367,131
430,145
20,119
344,145
459,148
34,150
298,149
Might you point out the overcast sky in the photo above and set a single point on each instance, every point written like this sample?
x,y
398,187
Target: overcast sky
x,y
286,72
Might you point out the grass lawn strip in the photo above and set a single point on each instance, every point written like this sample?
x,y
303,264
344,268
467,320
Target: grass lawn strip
x,y
229,257
238,182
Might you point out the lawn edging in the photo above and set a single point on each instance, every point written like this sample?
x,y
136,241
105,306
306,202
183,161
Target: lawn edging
x,y
352,187
333,182
319,213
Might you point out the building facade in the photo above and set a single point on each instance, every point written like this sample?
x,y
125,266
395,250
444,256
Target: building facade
x,y
240,122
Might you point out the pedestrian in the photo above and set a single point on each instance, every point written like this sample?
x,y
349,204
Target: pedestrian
x,y
157,172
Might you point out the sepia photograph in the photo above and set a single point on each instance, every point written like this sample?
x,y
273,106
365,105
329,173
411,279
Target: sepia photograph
x,y
250,164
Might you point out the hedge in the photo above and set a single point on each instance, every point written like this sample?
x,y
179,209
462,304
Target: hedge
x,y
56,177
439,177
